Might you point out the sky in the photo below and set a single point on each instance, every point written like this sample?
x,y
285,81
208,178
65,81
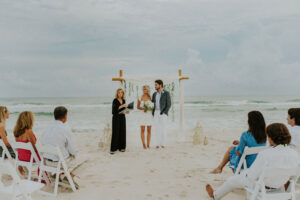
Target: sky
x,y
74,47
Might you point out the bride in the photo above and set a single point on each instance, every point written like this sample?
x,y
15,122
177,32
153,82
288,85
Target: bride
x,y
145,105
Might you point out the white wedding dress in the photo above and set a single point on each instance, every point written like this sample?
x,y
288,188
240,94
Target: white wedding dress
x,y
145,118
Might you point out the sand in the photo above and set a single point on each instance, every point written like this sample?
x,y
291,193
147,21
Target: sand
x,y
180,171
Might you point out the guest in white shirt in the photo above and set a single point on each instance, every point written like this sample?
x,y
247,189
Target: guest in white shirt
x,y
60,134
293,119
279,155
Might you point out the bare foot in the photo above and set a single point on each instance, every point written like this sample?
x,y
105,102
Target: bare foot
x,y
163,147
144,146
216,171
210,191
22,171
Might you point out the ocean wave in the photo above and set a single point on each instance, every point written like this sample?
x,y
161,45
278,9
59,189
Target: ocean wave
x,y
43,113
275,109
258,101
52,106
293,100
29,103
200,102
35,113
271,109
221,110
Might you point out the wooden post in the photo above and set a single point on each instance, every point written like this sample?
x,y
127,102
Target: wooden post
x,y
120,78
181,136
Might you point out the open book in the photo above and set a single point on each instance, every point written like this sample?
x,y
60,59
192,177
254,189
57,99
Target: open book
x,y
130,107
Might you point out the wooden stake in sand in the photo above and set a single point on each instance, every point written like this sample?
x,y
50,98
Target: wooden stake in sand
x,y
181,103
120,78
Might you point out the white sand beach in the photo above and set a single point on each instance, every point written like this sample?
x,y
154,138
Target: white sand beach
x,y
180,171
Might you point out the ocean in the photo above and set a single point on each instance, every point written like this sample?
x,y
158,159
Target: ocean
x,y
91,114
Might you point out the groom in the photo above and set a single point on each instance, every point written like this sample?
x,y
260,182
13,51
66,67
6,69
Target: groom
x,y
162,104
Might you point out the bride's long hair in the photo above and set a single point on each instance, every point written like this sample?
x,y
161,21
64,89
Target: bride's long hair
x,y
148,90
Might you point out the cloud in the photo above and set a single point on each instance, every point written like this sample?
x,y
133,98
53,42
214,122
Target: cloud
x,y
57,48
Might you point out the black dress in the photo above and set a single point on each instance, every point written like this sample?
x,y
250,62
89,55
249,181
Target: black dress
x,y
118,139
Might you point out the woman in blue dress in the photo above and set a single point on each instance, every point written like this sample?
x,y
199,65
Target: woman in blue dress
x,y
254,137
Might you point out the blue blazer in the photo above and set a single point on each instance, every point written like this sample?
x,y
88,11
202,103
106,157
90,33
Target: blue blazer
x,y
165,102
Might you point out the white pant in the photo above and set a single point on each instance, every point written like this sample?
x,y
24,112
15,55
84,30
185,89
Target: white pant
x,y
160,125
72,162
239,181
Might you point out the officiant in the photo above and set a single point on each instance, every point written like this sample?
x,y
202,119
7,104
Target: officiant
x,y
119,109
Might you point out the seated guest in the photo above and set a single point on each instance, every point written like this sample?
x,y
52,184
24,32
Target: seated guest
x,y
4,115
279,155
254,137
23,133
293,119
59,134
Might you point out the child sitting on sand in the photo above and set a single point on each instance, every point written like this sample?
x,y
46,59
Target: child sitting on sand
x,y
254,137
293,119
279,155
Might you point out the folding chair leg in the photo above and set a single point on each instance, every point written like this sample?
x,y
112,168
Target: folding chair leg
x,y
56,184
71,181
67,173
254,195
293,191
29,173
45,177
40,177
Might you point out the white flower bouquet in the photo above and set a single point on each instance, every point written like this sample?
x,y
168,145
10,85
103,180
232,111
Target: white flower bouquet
x,y
149,105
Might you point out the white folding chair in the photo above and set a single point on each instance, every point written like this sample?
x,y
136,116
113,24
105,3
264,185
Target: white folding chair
x,y
61,167
248,151
5,152
19,189
260,192
34,162
298,178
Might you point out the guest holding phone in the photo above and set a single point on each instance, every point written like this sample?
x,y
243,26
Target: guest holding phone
x,y
118,139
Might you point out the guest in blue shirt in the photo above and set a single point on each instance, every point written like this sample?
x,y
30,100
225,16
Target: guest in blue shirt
x,y
254,137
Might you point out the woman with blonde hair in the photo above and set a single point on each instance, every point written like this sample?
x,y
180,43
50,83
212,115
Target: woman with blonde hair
x,y
23,133
4,115
118,139
146,115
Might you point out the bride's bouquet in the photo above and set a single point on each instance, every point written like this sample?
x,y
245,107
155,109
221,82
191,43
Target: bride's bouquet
x,y
149,105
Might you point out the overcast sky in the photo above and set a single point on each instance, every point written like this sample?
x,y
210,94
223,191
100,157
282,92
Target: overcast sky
x,y
74,48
